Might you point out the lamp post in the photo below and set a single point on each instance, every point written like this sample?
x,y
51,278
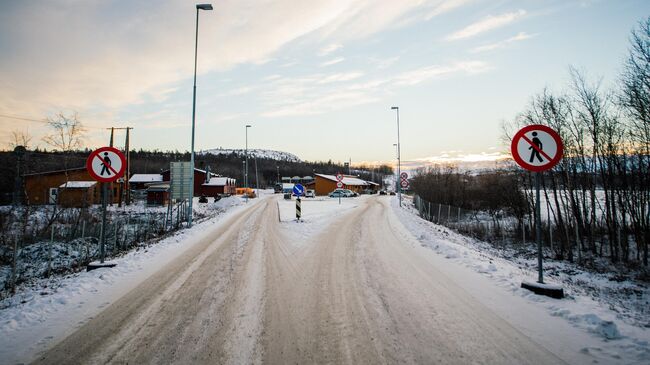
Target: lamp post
x,y
246,152
399,166
196,47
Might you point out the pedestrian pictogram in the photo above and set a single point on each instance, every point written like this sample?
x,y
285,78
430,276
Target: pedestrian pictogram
x,y
537,148
106,164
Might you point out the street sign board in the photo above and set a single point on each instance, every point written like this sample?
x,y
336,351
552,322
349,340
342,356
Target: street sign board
x,y
339,177
404,175
537,148
298,190
181,179
404,184
339,184
106,164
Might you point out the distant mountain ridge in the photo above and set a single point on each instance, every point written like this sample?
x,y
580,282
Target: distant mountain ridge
x,y
254,152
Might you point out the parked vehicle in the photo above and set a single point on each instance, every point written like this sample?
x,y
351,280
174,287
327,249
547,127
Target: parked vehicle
x,y
382,192
309,193
343,193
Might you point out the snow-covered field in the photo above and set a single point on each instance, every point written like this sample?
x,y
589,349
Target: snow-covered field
x,y
255,153
52,308
617,320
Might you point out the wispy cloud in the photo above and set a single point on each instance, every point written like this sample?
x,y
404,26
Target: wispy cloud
x,y
332,61
426,73
522,36
339,77
486,24
445,6
329,49
321,93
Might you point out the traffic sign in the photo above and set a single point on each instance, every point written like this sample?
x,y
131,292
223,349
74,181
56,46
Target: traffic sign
x,y
106,164
298,190
339,177
537,148
339,184
404,175
404,184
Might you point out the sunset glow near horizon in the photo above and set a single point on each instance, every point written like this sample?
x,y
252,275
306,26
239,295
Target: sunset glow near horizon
x,y
316,79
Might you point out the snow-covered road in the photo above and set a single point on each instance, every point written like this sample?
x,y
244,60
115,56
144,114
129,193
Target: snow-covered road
x,y
346,289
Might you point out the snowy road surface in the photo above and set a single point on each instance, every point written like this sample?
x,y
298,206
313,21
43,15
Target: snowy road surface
x,y
254,291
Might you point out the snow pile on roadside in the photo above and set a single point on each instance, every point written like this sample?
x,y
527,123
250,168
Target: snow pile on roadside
x,y
45,309
623,338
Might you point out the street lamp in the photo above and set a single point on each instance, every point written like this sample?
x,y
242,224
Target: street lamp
x,y
246,168
399,166
196,47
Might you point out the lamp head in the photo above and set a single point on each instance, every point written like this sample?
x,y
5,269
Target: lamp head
x,y
204,6
394,108
248,126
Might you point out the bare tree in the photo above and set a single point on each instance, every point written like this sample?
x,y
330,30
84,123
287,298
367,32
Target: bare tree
x,y
19,138
67,132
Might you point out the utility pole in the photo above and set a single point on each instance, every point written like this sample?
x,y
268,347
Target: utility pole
x,y
126,191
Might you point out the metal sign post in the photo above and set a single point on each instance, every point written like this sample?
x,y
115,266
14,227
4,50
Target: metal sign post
x,y
339,184
538,148
298,190
105,165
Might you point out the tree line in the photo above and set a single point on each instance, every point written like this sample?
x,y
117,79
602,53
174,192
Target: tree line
x,y
599,194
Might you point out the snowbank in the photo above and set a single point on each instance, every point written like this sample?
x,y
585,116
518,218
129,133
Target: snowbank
x,y
604,335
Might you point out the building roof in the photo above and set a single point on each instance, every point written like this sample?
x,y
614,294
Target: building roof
x,y
219,181
77,184
347,180
146,178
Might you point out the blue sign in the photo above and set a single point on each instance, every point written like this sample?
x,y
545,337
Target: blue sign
x,y
298,190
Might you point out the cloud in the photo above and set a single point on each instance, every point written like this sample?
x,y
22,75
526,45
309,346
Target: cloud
x,y
486,24
329,49
117,54
445,6
321,93
429,72
347,76
504,43
332,62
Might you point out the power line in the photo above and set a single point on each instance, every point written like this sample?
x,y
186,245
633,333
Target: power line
x,y
44,121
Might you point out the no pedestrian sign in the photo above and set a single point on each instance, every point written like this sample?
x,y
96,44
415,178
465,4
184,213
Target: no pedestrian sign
x,y
537,148
106,164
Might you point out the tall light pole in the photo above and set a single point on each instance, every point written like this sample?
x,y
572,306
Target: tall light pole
x,y
196,47
399,166
246,168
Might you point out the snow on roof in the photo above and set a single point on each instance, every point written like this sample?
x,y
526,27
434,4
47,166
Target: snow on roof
x,y
218,181
347,180
78,184
145,178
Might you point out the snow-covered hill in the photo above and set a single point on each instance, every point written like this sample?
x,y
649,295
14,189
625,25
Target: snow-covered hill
x,y
259,153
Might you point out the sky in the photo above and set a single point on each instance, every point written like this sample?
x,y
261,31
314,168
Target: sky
x,y
314,78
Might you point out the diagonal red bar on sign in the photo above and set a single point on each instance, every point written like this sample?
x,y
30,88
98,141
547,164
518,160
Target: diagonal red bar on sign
x,y
536,148
109,166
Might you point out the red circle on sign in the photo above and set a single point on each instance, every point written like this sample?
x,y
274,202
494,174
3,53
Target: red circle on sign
x,y
522,134
404,183
116,173
339,177
404,175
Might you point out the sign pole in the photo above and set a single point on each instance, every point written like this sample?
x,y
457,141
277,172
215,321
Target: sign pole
x,y
102,232
298,208
538,229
